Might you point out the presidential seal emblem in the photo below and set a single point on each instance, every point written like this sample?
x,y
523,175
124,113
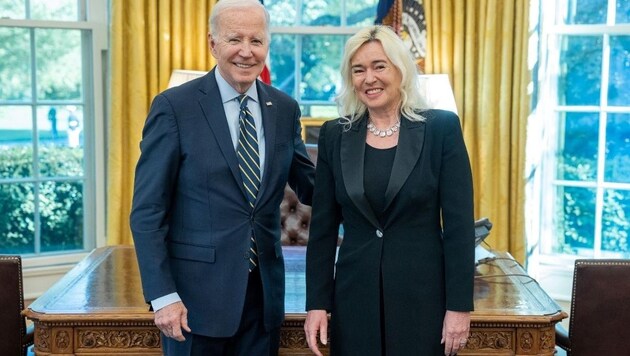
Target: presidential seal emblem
x,y
414,30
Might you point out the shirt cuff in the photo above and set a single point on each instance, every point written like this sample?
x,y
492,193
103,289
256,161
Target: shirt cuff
x,y
168,299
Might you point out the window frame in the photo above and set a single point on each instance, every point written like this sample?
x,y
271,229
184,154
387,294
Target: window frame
x,y
554,270
300,30
93,19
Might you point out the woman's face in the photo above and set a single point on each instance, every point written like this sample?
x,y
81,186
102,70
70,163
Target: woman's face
x,y
375,79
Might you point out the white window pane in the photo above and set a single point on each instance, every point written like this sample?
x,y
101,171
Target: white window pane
x,y
321,59
581,66
321,13
618,148
17,217
574,221
616,223
13,9
577,147
361,13
60,132
16,142
619,77
59,64
55,10
282,62
282,12
15,65
586,12
623,12
61,215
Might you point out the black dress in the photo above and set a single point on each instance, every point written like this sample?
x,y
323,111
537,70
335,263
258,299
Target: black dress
x,y
378,169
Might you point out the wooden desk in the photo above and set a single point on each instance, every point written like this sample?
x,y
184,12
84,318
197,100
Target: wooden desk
x,y
98,309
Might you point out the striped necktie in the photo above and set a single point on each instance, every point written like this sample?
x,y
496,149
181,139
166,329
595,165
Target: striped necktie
x,y
249,164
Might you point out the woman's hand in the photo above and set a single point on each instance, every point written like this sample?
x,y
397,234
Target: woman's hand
x,y
455,331
316,321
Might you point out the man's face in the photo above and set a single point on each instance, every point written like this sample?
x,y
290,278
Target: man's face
x,y
240,46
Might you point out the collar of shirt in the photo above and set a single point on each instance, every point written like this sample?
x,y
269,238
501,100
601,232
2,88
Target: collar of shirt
x,y
228,93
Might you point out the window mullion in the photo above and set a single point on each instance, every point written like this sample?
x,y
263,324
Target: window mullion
x,y
298,70
601,149
611,13
300,11
27,11
599,195
35,138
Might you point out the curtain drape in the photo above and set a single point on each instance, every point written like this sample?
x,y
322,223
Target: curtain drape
x,y
148,40
482,45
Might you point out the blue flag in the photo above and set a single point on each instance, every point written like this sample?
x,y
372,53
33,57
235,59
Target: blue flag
x,y
382,9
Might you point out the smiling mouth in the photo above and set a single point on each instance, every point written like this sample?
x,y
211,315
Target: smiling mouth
x,y
244,66
373,91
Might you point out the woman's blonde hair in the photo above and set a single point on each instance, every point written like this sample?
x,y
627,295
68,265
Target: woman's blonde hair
x,y
350,107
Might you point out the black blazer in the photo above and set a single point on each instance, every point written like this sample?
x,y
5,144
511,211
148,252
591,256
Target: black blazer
x,y
421,257
190,219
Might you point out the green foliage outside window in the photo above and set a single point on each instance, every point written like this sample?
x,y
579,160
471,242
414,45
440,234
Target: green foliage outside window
x,y
60,205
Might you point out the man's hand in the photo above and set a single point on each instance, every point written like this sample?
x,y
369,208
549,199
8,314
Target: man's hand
x,y
316,320
455,331
172,319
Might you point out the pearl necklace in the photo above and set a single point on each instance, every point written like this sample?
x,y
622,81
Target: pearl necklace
x,y
385,132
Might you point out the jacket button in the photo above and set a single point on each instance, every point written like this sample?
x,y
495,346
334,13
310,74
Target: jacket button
x,y
379,233
246,255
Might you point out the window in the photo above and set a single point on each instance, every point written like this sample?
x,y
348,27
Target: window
x,y
307,40
51,119
579,194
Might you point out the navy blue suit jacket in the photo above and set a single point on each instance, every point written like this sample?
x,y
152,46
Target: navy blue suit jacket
x,y
191,221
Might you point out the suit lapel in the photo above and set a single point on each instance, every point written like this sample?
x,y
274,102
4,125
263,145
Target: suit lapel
x,y
352,153
410,143
212,107
268,109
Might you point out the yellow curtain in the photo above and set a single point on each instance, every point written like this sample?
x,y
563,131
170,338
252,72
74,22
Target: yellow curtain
x,y
482,45
149,39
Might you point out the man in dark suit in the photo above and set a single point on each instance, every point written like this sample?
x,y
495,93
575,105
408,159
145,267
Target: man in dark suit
x,y
217,153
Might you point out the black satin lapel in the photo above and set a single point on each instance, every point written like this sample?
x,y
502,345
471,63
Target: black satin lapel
x,y
212,107
410,143
352,153
269,113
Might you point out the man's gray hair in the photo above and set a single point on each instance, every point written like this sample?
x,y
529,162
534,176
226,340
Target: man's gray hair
x,y
220,6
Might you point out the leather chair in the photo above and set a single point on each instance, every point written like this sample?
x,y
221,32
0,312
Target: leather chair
x,y
600,309
15,338
295,217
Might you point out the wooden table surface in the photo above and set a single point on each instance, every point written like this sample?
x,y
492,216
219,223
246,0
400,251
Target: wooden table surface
x,y
98,309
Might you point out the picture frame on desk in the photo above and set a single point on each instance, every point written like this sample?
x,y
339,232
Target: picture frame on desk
x,y
310,128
